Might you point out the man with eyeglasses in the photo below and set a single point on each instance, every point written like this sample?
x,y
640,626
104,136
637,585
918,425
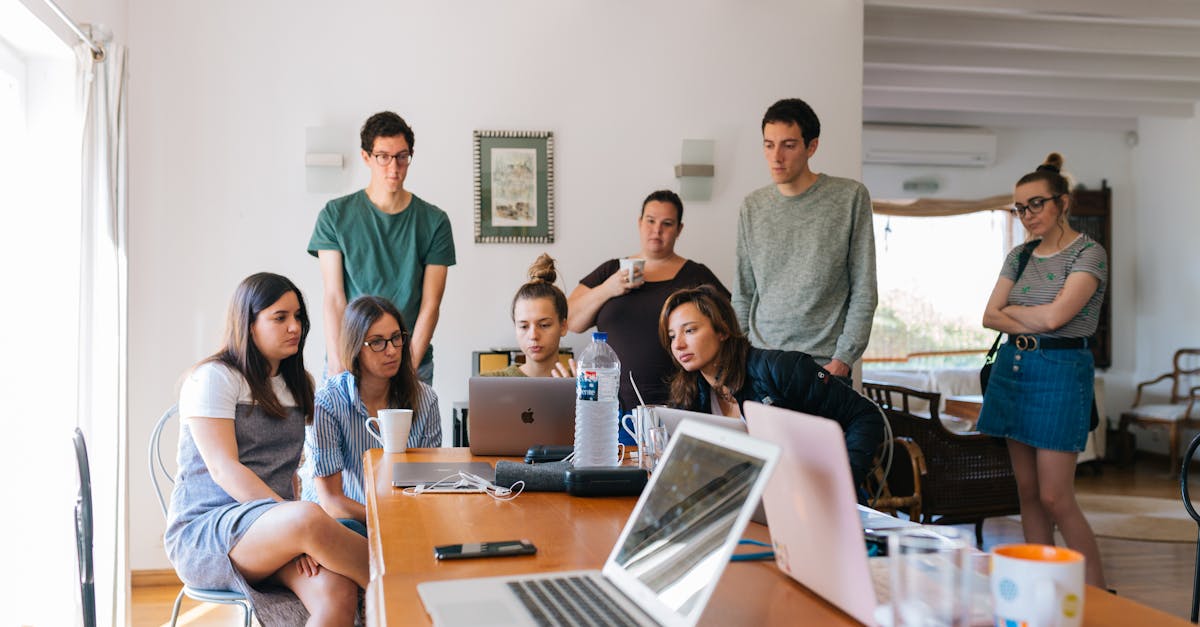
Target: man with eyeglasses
x,y
384,241
805,250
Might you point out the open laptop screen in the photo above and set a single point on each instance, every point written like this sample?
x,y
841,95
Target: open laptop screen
x,y
674,546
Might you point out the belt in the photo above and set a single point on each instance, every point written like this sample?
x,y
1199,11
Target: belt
x,y
1036,342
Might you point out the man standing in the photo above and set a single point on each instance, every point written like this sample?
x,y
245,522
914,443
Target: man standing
x,y
384,241
805,250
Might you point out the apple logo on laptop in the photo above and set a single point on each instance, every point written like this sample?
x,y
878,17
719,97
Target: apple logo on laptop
x,y
527,416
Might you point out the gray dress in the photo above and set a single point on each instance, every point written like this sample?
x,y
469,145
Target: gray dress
x,y
204,522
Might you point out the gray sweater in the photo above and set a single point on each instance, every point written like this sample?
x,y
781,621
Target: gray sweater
x,y
806,269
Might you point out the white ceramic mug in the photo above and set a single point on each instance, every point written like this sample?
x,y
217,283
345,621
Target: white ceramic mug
x,y
391,429
635,266
1037,585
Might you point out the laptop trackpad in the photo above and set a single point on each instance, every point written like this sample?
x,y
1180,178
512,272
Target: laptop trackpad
x,y
479,612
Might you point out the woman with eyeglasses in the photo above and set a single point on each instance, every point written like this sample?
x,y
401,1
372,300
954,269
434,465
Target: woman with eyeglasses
x,y
539,314
1039,394
380,376
234,523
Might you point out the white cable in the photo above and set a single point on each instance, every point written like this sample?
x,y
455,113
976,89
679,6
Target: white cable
x,y
466,482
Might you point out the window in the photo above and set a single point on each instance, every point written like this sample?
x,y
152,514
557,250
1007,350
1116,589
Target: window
x,y
935,275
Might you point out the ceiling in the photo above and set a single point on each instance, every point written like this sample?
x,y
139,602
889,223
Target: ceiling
x,y
1093,64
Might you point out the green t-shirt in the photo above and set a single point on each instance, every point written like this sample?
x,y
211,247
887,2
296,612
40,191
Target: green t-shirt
x,y
384,254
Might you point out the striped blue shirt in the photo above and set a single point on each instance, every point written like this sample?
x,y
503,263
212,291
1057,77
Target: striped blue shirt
x,y
338,437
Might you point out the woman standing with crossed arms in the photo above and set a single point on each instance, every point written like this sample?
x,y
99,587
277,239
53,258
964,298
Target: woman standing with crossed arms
x,y
1039,394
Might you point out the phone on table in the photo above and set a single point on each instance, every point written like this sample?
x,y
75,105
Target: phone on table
x,y
484,549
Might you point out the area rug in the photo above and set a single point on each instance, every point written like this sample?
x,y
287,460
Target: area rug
x,y
1135,518
1138,518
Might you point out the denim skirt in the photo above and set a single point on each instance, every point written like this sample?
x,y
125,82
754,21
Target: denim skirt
x,y
1042,398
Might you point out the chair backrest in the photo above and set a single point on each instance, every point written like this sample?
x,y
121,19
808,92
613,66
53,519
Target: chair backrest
x,y
159,475
886,396
83,532
1186,374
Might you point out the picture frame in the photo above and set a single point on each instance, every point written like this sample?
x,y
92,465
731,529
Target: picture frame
x,y
514,187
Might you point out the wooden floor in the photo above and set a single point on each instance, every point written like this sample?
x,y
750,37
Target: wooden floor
x,y
1158,574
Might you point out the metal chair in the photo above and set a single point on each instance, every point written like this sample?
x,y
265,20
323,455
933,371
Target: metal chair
x,y
1187,504
159,472
83,532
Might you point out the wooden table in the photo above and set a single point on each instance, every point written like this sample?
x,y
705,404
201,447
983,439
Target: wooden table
x,y
578,533
966,406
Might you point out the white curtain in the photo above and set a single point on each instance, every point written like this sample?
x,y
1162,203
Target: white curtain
x,y
102,316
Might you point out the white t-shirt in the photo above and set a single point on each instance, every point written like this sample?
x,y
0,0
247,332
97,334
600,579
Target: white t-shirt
x,y
213,390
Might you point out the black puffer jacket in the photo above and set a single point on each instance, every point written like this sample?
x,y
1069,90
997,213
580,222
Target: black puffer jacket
x,y
792,380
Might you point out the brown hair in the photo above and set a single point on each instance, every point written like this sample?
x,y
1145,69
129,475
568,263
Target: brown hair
x,y
731,357
254,294
404,390
1050,173
541,285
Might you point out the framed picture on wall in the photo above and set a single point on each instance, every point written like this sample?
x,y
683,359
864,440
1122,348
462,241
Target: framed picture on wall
x,y
514,187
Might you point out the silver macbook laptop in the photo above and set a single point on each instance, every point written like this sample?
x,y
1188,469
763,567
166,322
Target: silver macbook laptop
x,y
507,415
409,474
666,562
815,527
671,418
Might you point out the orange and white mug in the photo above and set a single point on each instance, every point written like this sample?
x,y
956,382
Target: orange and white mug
x,y
1035,585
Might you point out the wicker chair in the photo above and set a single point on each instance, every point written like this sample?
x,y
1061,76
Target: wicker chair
x,y
959,477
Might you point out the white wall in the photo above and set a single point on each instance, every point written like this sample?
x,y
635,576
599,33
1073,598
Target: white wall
x,y
1166,272
221,93
1090,157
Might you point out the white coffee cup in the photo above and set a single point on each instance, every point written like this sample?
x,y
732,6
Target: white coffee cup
x,y
635,267
391,429
1037,585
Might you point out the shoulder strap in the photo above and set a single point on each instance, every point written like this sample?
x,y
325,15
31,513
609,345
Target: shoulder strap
x,y
1023,257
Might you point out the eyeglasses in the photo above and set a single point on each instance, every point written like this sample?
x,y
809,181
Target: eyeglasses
x,y
378,344
1035,206
383,158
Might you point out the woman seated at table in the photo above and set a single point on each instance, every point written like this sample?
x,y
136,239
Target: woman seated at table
x,y
380,376
233,522
718,370
539,314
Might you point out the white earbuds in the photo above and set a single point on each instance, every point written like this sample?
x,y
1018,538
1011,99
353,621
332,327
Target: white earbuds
x,y
465,482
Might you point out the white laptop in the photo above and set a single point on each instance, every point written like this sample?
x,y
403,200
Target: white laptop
x,y
671,418
815,527
666,562
507,415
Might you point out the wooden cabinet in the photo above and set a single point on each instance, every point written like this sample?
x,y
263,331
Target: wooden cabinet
x,y
1092,214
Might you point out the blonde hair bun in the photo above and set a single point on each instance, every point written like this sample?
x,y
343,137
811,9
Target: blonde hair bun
x,y
542,270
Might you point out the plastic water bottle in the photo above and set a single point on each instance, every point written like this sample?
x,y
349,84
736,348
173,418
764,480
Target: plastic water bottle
x,y
598,376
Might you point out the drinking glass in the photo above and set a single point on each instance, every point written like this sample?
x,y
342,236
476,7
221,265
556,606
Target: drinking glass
x,y
930,577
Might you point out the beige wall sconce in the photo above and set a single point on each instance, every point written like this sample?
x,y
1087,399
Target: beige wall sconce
x,y
696,172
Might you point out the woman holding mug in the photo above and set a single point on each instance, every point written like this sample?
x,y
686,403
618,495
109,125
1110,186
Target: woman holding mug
x,y
233,523
1039,394
380,376
718,370
539,315
625,303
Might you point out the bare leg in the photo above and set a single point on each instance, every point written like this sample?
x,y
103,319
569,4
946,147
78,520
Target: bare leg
x,y
331,599
295,528
1056,485
1035,520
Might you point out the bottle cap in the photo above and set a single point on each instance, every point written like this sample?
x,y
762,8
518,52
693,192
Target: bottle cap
x,y
599,336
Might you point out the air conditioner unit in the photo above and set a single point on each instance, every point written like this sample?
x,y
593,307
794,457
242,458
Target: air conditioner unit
x,y
928,145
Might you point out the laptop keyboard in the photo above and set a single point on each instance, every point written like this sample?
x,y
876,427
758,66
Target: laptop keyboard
x,y
570,601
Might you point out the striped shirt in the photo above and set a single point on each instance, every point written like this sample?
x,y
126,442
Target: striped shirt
x,y
1044,278
338,437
